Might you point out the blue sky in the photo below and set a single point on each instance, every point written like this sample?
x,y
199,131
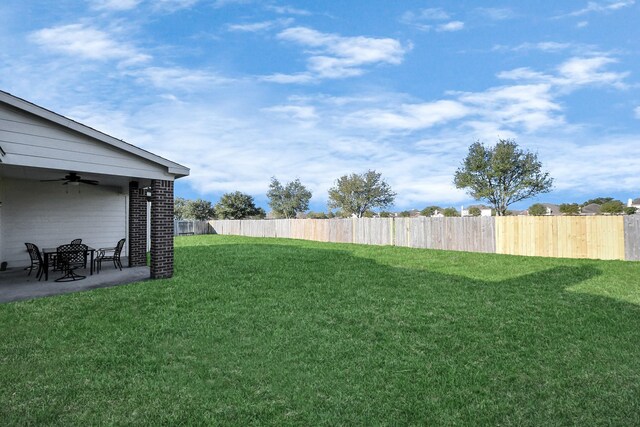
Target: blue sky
x,y
242,90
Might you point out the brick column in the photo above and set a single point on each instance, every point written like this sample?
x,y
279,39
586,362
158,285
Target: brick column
x,y
137,225
161,229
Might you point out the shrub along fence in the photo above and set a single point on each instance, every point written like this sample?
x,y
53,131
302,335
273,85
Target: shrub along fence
x,y
598,237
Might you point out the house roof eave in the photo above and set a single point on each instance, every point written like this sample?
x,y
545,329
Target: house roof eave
x,y
173,168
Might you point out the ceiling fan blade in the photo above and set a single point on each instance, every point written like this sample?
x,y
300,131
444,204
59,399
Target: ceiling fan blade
x,y
52,180
88,181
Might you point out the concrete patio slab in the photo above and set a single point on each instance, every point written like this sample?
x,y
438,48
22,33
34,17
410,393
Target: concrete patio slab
x,y
15,285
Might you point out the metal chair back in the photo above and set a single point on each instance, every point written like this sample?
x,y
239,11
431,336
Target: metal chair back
x,y
34,252
72,255
69,258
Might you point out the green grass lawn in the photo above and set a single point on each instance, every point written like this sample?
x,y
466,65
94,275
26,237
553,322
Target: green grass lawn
x,y
274,331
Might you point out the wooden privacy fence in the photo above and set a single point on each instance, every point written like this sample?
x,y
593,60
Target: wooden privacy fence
x,y
598,237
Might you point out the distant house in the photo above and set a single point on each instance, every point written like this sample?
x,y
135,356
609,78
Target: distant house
x,y
634,203
552,209
590,209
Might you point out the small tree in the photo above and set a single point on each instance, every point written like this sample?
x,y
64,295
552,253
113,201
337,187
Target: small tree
x,y
237,205
430,210
502,175
475,211
179,208
357,193
317,215
200,210
537,209
630,210
450,212
287,201
570,209
259,214
385,214
404,214
612,207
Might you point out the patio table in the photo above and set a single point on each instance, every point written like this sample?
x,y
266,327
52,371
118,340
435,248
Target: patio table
x,y
47,252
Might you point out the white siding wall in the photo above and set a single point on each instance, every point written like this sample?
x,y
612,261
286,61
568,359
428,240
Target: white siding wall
x,y
50,214
31,141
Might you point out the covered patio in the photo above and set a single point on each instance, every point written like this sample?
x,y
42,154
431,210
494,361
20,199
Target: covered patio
x,y
16,285
61,180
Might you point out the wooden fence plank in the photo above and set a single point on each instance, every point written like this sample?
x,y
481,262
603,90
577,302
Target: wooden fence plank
x,y
632,238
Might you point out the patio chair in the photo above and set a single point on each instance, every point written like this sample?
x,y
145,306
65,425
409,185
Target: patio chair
x,y
79,242
110,254
69,258
36,260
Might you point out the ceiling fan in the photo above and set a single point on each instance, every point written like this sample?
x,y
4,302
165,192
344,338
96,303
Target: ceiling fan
x,y
73,179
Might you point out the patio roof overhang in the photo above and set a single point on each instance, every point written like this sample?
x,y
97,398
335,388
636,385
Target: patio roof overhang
x,y
37,144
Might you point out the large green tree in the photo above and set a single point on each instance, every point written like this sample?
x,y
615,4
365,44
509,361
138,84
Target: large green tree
x,y
237,205
288,200
502,175
356,193
200,210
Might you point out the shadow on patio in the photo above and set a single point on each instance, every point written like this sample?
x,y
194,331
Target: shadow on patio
x,y
15,285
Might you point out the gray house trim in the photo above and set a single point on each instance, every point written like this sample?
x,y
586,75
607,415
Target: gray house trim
x,y
172,168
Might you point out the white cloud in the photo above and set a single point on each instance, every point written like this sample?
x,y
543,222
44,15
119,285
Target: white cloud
x,y
495,13
572,163
297,112
254,27
174,5
116,4
288,10
528,108
637,112
451,26
548,46
582,71
334,56
434,13
289,78
526,74
423,18
574,72
600,7
409,116
178,78
582,24
87,42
